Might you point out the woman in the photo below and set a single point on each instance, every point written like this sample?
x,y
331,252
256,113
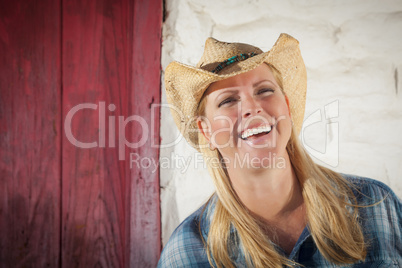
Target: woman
x,y
273,206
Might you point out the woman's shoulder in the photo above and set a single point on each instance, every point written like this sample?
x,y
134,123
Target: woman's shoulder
x,y
185,247
380,213
368,188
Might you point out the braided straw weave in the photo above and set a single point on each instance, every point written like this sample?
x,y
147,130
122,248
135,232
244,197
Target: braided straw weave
x,y
186,84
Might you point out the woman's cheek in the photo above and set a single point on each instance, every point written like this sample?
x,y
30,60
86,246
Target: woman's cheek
x,y
222,128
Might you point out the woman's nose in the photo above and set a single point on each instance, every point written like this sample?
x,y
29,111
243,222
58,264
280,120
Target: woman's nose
x,y
250,107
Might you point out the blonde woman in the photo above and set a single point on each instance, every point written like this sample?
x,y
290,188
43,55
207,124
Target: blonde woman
x,y
273,206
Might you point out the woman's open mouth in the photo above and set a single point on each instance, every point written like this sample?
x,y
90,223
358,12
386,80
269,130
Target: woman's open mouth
x,y
255,132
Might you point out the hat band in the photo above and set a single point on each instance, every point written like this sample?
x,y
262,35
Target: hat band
x,y
232,60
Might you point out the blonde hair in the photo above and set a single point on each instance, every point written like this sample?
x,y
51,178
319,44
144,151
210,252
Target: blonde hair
x,y
331,212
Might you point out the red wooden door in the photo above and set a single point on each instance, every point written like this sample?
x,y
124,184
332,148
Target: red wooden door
x,y
77,82
30,133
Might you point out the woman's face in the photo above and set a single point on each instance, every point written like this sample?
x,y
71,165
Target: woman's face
x,y
247,118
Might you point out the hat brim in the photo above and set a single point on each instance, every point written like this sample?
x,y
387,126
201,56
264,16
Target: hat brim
x,y
185,84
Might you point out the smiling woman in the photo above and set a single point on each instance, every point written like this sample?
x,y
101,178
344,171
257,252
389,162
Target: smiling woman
x,y
253,109
297,213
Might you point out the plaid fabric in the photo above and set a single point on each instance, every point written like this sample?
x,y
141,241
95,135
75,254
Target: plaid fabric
x,y
382,226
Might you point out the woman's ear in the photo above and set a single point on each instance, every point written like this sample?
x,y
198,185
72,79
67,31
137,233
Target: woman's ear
x,y
205,128
287,102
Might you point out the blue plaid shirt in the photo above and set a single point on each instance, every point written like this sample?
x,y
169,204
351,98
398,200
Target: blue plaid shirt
x,y
382,225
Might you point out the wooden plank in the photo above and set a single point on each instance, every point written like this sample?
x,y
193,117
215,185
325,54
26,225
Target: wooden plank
x,y
97,188
94,180
146,229
30,133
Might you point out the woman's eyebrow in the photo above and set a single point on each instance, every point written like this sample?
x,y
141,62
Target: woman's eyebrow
x,y
228,90
262,81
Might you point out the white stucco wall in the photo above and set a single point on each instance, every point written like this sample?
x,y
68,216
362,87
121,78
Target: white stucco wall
x,y
353,54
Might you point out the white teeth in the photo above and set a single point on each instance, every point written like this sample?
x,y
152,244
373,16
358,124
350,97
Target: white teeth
x,y
249,132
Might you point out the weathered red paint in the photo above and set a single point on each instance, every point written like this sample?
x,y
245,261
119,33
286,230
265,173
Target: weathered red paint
x,y
62,205
30,133
111,54
145,183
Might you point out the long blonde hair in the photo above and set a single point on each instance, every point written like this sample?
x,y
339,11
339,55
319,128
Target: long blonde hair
x,y
331,212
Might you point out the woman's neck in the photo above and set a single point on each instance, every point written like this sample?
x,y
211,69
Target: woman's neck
x,y
275,198
269,193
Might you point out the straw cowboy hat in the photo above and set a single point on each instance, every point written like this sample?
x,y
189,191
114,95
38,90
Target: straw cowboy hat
x,y
185,84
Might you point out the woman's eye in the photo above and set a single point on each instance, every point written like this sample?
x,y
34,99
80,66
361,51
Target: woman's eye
x,y
265,90
227,101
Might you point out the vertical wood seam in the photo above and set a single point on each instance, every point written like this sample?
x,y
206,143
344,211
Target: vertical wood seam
x,y
61,138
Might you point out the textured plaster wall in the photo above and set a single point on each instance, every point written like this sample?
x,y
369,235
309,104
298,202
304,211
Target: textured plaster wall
x,y
353,54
